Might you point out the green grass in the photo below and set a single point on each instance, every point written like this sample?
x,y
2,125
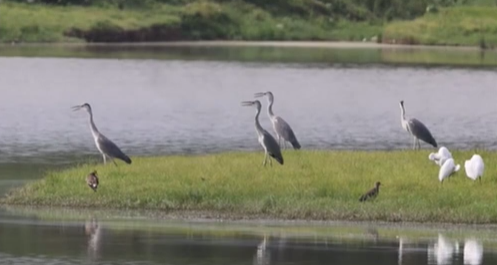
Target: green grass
x,y
199,20
311,185
462,25
39,23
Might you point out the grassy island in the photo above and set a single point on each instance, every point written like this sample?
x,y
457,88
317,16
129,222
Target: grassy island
x,y
312,185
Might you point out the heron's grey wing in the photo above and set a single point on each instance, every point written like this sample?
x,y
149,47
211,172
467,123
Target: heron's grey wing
x,y
285,131
272,147
419,130
110,148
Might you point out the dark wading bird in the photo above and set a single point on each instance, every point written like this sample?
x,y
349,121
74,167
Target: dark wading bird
x,y
281,127
416,128
267,141
92,180
106,147
372,193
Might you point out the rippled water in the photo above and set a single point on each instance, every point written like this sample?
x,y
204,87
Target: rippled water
x,y
163,107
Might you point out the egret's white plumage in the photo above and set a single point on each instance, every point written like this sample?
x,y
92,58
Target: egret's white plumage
x,y
474,167
440,157
448,168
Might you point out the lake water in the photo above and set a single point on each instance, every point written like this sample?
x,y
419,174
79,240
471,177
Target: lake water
x,y
38,237
176,100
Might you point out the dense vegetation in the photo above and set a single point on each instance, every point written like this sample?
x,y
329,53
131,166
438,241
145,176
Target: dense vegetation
x,y
163,20
311,185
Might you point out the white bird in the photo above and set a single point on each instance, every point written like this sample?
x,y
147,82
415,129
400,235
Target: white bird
x,y
440,157
447,169
473,252
474,167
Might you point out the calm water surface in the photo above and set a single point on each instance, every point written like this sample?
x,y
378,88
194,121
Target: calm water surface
x,y
154,102
44,240
164,107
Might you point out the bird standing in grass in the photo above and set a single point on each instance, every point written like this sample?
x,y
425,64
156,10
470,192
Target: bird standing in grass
x,y
106,147
92,180
372,193
267,141
281,127
447,169
416,128
440,157
474,167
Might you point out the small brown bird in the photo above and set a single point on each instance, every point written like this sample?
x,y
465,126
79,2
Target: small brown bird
x,y
92,180
372,193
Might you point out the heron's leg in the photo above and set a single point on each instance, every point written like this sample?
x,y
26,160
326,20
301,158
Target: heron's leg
x,y
284,143
419,144
105,160
414,143
270,161
265,158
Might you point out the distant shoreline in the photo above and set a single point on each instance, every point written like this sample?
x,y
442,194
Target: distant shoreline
x,y
279,44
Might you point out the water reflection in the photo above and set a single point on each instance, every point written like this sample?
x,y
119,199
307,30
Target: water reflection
x,y
263,255
34,241
93,232
473,252
442,252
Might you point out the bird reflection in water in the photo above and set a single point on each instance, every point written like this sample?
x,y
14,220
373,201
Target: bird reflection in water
x,y
93,232
442,251
473,252
262,256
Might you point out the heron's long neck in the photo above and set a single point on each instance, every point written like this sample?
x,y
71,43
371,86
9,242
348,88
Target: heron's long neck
x,y
402,113
93,128
270,107
258,126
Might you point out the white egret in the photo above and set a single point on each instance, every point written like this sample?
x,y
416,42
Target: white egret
x,y
474,167
447,169
440,157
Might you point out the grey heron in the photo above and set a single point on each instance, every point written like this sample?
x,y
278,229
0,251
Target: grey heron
x,y
372,193
416,128
106,147
92,180
281,127
267,141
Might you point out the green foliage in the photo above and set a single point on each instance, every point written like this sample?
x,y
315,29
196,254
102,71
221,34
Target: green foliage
x,y
311,185
207,20
450,26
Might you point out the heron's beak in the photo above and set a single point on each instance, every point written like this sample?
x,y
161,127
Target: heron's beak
x,y
247,103
260,94
75,108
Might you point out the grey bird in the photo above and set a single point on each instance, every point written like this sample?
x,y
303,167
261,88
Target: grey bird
x,y
416,128
281,127
267,141
92,180
372,193
106,147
